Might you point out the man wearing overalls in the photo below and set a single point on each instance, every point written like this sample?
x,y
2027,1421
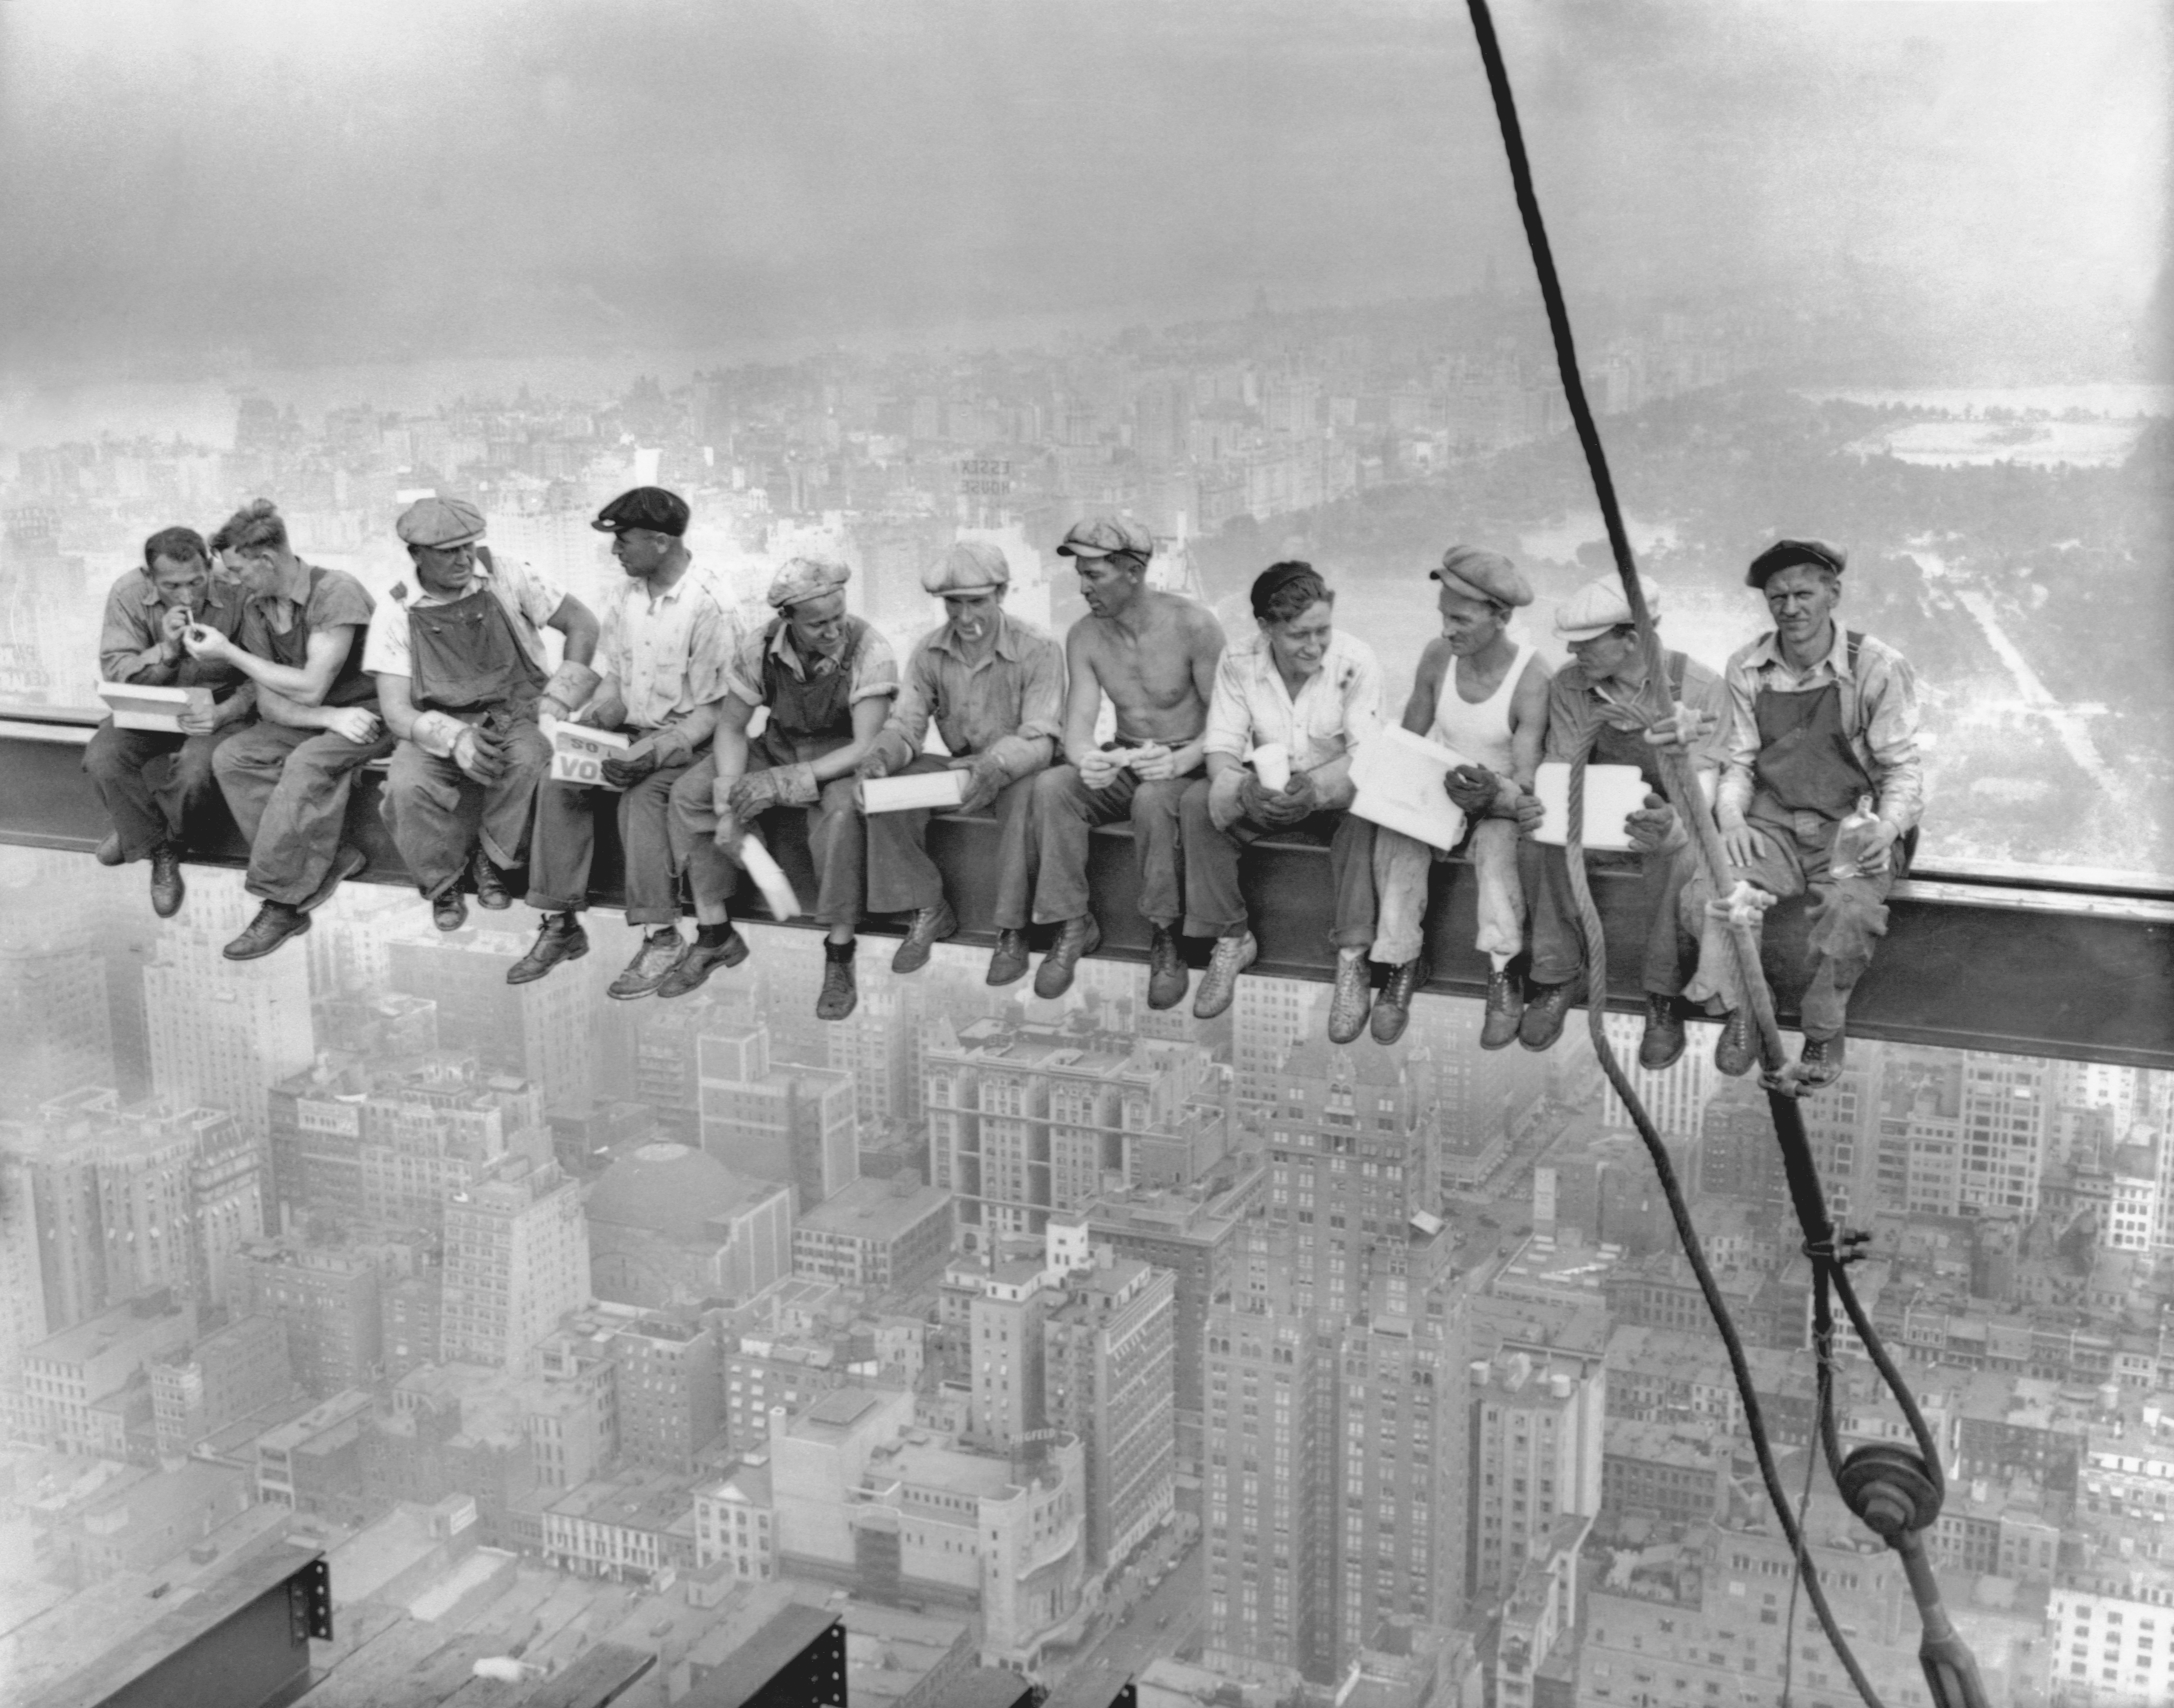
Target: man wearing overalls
x,y
1595,705
286,777
1818,719
462,680
828,680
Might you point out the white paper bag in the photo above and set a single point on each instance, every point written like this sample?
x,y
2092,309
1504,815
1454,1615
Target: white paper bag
x,y
1612,794
1399,777
769,877
935,790
578,752
137,705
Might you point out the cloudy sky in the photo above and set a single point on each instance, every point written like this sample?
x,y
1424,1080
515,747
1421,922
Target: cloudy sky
x,y
189,181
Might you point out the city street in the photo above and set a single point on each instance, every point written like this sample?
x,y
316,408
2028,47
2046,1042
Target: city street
x,y
1124,1648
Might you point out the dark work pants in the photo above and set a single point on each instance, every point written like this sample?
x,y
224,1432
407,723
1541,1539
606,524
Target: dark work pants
x,y
1065,809
1214,907
902,878
837,843
564,843
1558,943
436,812
151,781
288,790
1844,917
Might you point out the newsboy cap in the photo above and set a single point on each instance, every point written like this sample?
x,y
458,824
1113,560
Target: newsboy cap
x,y
1599,606
650,507
1479,574
439,521
1787,554
1105,535
970,566
806,578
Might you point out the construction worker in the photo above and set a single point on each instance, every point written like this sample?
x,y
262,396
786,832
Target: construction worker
x,y
1485,696
1309,688
668,638
462,677
287,776
828,680
1818,720
994,687
1153,654
1596,711
152,781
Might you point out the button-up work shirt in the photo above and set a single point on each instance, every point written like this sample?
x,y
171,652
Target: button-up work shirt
x,y
1878,714
1337,707
875,670
1577,706
133,613
668,652
528,598
997,705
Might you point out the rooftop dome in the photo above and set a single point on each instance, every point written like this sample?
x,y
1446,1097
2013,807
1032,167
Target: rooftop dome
x,y
667,1189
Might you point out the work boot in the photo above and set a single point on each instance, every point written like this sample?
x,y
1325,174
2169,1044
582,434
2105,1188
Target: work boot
x,y
1662,1042
841,995
1354,996
561,939
1736,1051
275,922
108,852
348,862
1219,983
1821,1064
449,908
701,959
490,884
1392,1008
1546,1008
1506,1007
1167,976
1007,961
167,890
660,952
931,926
1074,938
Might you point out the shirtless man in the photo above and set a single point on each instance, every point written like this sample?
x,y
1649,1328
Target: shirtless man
x,y
1485,695
1154,655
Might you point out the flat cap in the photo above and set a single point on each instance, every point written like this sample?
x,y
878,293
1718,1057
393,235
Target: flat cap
x,y
439,521
806,578
1479,574
650,507
1105,535
1787,554
1599,606
970,566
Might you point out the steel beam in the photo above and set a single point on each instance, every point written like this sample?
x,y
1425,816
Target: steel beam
x,y
2075,965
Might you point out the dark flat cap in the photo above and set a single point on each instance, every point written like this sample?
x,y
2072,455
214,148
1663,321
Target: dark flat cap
x,y
1787,554
650,507
1479,574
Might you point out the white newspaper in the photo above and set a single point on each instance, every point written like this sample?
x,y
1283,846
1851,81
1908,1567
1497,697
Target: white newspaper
x,y
1399,777
578,752
1612,794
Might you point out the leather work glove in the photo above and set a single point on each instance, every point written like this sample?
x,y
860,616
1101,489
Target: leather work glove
x,y
1653,827
1472,788
1529,814
986,779
641,760
753,795
479,756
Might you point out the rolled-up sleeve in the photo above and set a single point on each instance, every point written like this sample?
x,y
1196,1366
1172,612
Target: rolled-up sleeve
x,y
1041,712
875,671
1890,713
713,638
1736,742
743,669
906,730
1362,696
1230,713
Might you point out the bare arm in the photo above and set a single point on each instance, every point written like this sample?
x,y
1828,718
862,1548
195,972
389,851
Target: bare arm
x,y
1205,640
1082,695
396,700
868,717
578,624
1426,688
1528,722
305,685
729,747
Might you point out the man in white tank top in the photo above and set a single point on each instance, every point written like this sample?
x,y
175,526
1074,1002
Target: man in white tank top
x,y
1486,696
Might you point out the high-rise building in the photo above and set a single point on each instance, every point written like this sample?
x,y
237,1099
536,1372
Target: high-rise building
x,y
1268,1016
516,1260
1921,1133
1537,1442
223,1032
671,1225
225,1377
53,1010
877,1045
775,1121
2007,1119
670,1389
1005,1348
540,1032
1676,1097
1739,1156
330,1301
77,1384
1107,1377
23,1318
893,1233
1026,1118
